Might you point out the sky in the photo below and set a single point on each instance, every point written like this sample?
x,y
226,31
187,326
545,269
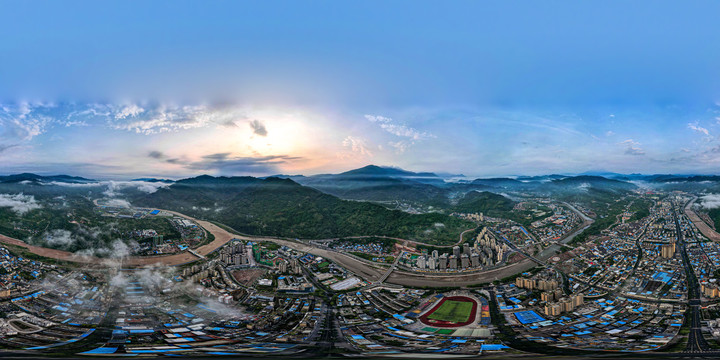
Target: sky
x,y
123,89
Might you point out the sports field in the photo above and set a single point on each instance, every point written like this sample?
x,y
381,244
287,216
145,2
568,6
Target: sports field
x,y
452,311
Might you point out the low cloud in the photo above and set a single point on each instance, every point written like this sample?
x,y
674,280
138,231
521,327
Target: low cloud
x,y
59,237
710,201
114,187
117,203
19,203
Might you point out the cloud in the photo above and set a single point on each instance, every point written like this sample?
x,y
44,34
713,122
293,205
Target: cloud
x,y
120,203
609,133
357,145
129,111
400,130
710,201
258,128
59,237
229,123
156,154
19,203
400,146
24,121
699,129
5,147
114,187
228,164
167,118
632,147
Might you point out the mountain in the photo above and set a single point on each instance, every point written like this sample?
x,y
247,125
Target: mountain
x,y
505,183
687,178
374,170
282,207
585,181
376,183
154,180
39,178
541,177
484,202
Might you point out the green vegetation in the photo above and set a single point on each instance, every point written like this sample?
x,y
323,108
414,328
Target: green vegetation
x,y
281,207
714,215
641,209
452,311
484,202
74,223
608,215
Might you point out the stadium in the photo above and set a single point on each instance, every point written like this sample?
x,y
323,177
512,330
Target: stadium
x,y
451,312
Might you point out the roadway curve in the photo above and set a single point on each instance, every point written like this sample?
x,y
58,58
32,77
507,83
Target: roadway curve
x,y
364,269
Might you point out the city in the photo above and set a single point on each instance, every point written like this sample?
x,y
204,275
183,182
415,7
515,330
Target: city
x,y
365,179
646,283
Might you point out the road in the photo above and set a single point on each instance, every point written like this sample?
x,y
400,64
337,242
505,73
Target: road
x,y
365,269
696,340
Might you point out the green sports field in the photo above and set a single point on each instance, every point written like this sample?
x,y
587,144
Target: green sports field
x,y
452,311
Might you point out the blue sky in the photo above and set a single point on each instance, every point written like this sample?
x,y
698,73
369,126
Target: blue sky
x,y
484,88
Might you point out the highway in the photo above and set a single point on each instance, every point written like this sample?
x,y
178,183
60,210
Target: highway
x,y
696,340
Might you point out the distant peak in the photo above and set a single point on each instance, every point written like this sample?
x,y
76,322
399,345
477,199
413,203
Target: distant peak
x,y
375,170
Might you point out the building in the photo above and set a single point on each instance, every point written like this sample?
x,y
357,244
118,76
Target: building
x,y
442,265
456,251
566,305
553,309
525,283
668,250
578,300
464,261
453,264
710,290
475,260
547,296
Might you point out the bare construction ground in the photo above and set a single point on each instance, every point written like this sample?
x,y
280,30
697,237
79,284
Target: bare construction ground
x,y
247,276
704,228
50,253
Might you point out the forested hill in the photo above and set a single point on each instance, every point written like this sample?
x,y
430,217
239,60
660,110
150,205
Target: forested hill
x,y
485,202
281,207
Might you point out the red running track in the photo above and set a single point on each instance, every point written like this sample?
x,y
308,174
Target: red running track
x,y
447,324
